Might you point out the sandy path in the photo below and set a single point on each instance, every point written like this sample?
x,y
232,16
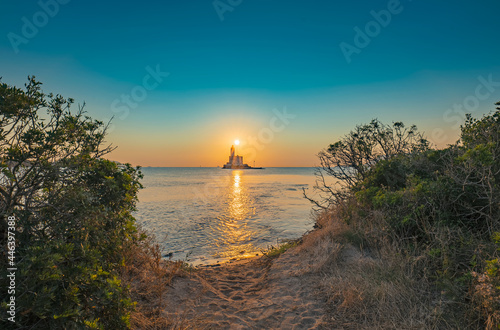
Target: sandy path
x,y
247,294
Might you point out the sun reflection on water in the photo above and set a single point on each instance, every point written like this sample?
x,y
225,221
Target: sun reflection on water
x,y
234,235
206,216
237,206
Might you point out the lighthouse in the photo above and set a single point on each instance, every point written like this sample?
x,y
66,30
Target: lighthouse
x,y
236,161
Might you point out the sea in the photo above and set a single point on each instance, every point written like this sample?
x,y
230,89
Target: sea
x,y
212,215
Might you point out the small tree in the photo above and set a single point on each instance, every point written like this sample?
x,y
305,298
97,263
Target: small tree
x,y
349,160
72,209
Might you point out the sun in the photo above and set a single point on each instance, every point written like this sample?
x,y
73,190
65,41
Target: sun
x,y
237,142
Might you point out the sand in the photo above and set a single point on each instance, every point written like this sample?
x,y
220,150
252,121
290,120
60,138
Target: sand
x,y
257,293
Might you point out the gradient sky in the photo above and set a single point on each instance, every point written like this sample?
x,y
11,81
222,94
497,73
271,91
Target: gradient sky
x,y
229,77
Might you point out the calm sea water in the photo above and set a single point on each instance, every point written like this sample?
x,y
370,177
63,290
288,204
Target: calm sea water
x,y
206,215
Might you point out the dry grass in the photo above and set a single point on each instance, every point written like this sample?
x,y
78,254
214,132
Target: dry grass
x,y
149,277
368,288
321,247
375,293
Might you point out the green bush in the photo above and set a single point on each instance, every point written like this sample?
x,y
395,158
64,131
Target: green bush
x,y
439,207
73,214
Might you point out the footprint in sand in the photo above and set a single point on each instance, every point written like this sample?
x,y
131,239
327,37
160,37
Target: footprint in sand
x,y
214,306
226,292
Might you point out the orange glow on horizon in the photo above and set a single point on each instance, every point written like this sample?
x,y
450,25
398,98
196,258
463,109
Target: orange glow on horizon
x,y
208,145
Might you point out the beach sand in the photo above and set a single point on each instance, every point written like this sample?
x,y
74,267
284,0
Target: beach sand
x,y
256,293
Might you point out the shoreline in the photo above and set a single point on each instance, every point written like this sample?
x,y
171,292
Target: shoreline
x,y
216,262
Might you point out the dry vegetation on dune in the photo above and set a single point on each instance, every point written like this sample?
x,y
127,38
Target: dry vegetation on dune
x,y
408,235
148,277
366,288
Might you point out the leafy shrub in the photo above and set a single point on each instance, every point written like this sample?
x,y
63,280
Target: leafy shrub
x,y
73,214
351,160
440,207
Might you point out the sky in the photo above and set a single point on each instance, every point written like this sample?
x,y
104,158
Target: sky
x,y
183,79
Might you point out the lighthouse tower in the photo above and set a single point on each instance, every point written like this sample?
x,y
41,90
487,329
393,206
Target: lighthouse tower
x,y
231,156
235,161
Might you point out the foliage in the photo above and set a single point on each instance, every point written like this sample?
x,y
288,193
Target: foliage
x,y
350,160
73,213
440,207
487,293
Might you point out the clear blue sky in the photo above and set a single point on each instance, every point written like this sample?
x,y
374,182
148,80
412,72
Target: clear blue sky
x,y
226,76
